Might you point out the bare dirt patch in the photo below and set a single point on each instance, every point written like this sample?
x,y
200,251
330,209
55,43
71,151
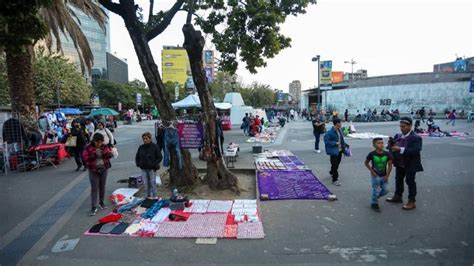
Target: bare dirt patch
x,y
246,181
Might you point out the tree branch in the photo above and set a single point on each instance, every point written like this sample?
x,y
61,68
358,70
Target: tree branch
x,y
165,22
150,14
112,7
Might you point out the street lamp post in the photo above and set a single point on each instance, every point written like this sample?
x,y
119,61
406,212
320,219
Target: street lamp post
x,y
316,59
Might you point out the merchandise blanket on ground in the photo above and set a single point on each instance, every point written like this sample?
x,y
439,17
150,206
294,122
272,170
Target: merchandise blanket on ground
x,y
282,175
235,219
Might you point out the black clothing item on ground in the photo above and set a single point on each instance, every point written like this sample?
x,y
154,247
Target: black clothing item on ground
x,y
147,203
409,177
96,228
335,161
119,229
148,157
14,132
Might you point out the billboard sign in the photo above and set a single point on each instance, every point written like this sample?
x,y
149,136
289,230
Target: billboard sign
x,y
337,76
280,96
325,73
175,65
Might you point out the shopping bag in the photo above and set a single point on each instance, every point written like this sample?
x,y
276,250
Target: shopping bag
x,y
348,152
71,141
115,153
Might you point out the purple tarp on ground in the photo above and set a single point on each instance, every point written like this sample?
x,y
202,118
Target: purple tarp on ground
x,y
275,185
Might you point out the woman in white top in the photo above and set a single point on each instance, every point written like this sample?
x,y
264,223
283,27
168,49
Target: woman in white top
x,y
108,136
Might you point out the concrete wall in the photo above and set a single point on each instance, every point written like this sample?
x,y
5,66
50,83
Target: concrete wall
x,y
436,96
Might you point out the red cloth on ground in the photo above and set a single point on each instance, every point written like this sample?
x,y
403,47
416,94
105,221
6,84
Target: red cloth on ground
x,y
113,217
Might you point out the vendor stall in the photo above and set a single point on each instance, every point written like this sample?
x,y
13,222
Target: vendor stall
x,y
178,217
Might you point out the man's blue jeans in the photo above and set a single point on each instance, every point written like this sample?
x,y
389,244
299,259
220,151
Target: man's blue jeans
x,y
379,188
316,143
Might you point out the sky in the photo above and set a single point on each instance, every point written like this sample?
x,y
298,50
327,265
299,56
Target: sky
x,y
385,37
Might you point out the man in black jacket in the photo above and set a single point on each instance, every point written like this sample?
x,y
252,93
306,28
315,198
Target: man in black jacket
x,y
406,148
148,159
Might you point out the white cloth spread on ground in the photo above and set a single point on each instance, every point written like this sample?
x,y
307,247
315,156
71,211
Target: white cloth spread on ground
x,y
365,135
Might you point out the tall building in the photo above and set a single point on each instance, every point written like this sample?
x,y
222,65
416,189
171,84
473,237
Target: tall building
x,y
359,74
176,68
99,42
295,90
117,69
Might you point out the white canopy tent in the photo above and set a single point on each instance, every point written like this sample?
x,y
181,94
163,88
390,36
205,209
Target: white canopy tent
x,y
192,100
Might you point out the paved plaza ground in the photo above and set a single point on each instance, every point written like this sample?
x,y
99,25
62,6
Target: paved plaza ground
x,y
39,208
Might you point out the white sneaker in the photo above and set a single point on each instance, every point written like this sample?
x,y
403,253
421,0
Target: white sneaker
x,y
318,151
336,183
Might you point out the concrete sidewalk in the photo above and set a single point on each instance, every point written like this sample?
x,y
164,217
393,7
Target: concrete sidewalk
x,y
51,204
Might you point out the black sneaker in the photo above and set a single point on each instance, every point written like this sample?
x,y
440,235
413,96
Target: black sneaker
x,y
102,206
93,211
375,207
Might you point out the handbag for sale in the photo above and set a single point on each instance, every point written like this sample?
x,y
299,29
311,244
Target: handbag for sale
x,y
71,141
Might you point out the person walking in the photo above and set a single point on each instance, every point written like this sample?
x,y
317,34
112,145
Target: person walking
x,y
148,159
422,114
406,151
81,140
90,128
452,118
335,145
379,163
318,129
346,115
108,136
97,157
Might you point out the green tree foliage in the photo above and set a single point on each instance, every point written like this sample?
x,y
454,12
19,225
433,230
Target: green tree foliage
x,y
258,95
251,29
169,89
53,72
111,93
50,73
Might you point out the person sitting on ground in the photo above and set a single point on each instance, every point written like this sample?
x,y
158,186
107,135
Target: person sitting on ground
x,y
432,127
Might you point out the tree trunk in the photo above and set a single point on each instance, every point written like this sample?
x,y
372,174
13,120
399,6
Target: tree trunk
x,y
22,92
218,176
180,177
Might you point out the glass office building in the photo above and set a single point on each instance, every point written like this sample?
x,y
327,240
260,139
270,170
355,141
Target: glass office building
x,y
99,41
